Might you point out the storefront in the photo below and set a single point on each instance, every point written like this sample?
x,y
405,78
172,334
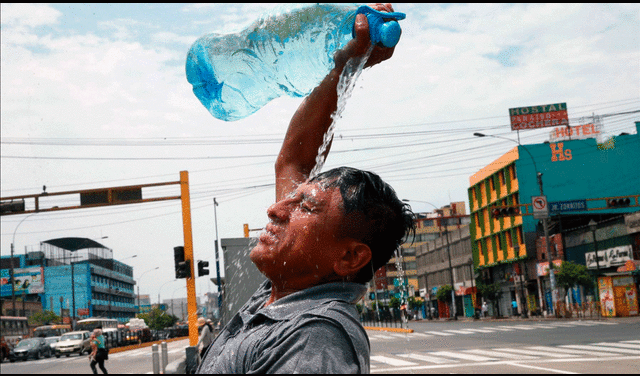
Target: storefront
x,y
619,291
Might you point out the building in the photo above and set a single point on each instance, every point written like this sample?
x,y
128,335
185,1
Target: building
x,y
434,271
74,275
401,275
579,178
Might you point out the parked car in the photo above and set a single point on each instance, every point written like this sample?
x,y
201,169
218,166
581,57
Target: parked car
x,y
51,341
73,343
29,348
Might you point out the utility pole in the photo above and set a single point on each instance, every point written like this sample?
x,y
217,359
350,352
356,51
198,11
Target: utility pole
x,y
453,288
215,216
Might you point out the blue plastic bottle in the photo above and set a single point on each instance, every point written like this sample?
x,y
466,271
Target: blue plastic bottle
x,y
288,51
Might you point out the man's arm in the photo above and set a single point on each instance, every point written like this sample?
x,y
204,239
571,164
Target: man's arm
x,y
313,118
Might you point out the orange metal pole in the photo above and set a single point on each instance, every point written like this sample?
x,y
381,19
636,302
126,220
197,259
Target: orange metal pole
x,y
192,307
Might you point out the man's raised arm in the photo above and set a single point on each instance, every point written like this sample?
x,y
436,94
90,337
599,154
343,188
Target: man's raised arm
x,y
313,118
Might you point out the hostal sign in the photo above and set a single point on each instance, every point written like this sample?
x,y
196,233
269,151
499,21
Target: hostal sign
x,y
533,117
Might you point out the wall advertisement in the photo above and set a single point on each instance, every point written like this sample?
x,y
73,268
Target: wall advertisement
x,y
26,281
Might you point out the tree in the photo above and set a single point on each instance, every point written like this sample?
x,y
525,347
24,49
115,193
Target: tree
x,y
158,319
415,303
444,293
570,274
44,318
490,292
394,302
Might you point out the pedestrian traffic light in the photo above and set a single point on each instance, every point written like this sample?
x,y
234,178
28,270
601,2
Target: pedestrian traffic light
x,y
618,202
202,268
182,266
12,206
507,211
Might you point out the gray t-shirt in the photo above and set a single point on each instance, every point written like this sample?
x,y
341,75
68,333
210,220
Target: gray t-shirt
x,y
316,330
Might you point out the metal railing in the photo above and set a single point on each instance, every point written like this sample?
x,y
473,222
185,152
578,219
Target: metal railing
x,y
386,318
575,310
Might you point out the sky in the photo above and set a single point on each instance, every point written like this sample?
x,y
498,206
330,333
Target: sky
x,y
96,96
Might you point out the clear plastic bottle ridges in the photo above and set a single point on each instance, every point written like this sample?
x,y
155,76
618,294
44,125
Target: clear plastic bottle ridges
x,y
285,52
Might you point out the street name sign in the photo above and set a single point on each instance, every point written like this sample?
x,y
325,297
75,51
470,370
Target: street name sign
x,y
565,206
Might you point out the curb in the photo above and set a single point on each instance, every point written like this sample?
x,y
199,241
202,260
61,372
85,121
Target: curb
x,y
115,350
396,330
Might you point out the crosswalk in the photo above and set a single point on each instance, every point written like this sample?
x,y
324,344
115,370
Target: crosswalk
x,y
387,336
383,362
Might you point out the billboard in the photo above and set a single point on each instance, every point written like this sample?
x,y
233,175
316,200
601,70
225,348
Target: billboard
x,y
578,132
26,281
533,117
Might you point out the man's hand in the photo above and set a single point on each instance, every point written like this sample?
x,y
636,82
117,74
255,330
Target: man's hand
x,y
360,44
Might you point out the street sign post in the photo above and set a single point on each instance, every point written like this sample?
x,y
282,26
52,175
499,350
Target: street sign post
x,y
540,207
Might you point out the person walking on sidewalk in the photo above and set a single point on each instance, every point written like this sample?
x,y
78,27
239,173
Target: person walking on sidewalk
x,y
206,336
485,309
99,351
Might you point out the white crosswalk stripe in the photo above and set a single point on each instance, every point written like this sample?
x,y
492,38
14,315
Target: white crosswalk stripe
x,y
428,358
450,354
421,334
441,334
573,351
481,330
614,344
498,328
392,361
634,341
526,351
602,348
500,354
459,331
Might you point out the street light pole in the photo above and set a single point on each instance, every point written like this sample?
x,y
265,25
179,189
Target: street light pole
x,y
13,283
215,216
545,224
139,278
594,226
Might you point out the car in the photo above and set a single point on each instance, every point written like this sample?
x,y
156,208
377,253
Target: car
x,y
51,341
29,348
73,343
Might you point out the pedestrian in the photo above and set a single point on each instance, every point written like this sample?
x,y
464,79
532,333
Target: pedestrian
x,y
433,312
326,237
514,307
485,309
206,337
99,351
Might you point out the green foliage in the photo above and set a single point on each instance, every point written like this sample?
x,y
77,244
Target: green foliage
x,y
415,303
394,302
491,292
444,293
571,274
158,319
44,318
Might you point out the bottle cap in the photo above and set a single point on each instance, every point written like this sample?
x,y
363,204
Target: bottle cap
x,y
381,32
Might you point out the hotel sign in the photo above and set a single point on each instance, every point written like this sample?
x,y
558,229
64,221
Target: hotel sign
x,y
533,117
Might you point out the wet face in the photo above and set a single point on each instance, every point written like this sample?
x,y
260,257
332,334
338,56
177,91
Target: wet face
x,y
301,243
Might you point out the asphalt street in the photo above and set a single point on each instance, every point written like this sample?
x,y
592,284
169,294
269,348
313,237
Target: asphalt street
x,y
510,346
610,346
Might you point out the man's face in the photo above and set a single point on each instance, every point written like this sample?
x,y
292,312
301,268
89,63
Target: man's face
x,y
300,243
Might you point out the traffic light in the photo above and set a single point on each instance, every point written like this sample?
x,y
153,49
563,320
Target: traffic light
x,y
246,230
12,207
508,211
182,266
618,202
202,265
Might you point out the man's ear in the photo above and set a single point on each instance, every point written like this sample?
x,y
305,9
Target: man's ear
x,y
355,256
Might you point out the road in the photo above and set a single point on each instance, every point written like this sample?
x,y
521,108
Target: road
x,y
133,361
527,346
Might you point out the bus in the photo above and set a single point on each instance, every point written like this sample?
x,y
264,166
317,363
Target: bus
x,y
12,330
51,330
109,327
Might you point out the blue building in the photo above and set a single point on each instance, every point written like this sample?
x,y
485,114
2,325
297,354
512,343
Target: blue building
x,y
579,178
74,274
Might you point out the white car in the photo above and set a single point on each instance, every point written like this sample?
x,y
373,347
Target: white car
x,y
72,343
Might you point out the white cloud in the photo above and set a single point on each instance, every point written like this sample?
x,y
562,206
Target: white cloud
x,y
30,15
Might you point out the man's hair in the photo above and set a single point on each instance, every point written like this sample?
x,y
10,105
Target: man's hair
x,y
373,214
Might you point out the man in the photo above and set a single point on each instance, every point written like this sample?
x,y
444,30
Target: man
x,y
325,239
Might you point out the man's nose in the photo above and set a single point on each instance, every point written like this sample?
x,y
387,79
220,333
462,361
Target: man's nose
x,y
279,211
